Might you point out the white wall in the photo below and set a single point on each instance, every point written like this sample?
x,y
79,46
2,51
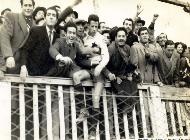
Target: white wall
x,y
172,19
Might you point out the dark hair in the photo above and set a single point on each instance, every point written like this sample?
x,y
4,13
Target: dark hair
x,y
120,29
7,9
169,42
113,33
184,46
129,19
93,17
33,2
142,29
52,8
164,34
69,24
100,24
56,6
105,31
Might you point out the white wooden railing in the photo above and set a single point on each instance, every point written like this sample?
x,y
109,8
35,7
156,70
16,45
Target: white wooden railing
x,y
160,109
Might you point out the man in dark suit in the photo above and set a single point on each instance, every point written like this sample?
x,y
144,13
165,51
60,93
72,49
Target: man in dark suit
x,y
14,33
36,60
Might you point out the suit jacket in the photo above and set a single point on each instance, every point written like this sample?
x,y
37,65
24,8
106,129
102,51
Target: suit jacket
x,y
13,34
146,66
35,52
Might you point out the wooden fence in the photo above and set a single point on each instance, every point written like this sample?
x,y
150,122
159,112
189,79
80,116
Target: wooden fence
x,y
163,111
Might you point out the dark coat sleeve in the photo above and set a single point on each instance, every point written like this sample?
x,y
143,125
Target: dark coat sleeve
x,y
28,46
54,49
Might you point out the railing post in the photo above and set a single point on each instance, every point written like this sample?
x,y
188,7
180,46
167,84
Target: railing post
x,y
5,110
157,113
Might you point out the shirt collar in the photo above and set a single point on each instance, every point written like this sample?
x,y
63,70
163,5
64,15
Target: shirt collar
x,y
47,29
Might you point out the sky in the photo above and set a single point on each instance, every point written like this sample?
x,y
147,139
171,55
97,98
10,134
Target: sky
x,y
172,19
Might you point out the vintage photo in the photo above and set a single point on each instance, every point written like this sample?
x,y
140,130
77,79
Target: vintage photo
x,y
94,69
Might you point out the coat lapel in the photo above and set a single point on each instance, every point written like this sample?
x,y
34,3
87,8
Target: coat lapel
x,y
23,24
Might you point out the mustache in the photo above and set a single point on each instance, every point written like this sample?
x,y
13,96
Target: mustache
x,y
121,40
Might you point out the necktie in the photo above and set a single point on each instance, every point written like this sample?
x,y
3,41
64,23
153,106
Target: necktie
x,y
50,33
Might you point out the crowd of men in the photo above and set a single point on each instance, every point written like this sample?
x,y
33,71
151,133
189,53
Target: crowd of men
x,y
50,42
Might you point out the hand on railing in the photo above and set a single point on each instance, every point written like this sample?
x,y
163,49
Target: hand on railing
x,y
111,76
10,62
23,73
160,84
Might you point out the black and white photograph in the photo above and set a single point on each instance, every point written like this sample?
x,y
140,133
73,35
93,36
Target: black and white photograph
x,y
95,70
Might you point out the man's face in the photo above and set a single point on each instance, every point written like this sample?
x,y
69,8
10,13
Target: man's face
x,y
120,38
144,36
93,27
39,15
80,29
169,50
128,25
162,39
70,17
138,26
179,48
27,8
71,34
102,27
107,38
51,17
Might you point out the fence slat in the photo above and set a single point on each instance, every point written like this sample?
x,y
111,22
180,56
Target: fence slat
x,y
143,114
5,111
36,113
165,124
156,112
22,111
106,119
85,128
126,126
48,113
188,126
135,124
73,114
61,113
85,123
179,118
172,117
116,118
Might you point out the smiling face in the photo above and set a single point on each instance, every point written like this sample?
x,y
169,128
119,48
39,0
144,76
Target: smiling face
x,y
70,17
27,7
162,39
71,34
128,25
39,15
120,38
179,48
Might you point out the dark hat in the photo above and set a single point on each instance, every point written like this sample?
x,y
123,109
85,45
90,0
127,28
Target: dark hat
x,y
38,9
67,12
139,20
77,21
